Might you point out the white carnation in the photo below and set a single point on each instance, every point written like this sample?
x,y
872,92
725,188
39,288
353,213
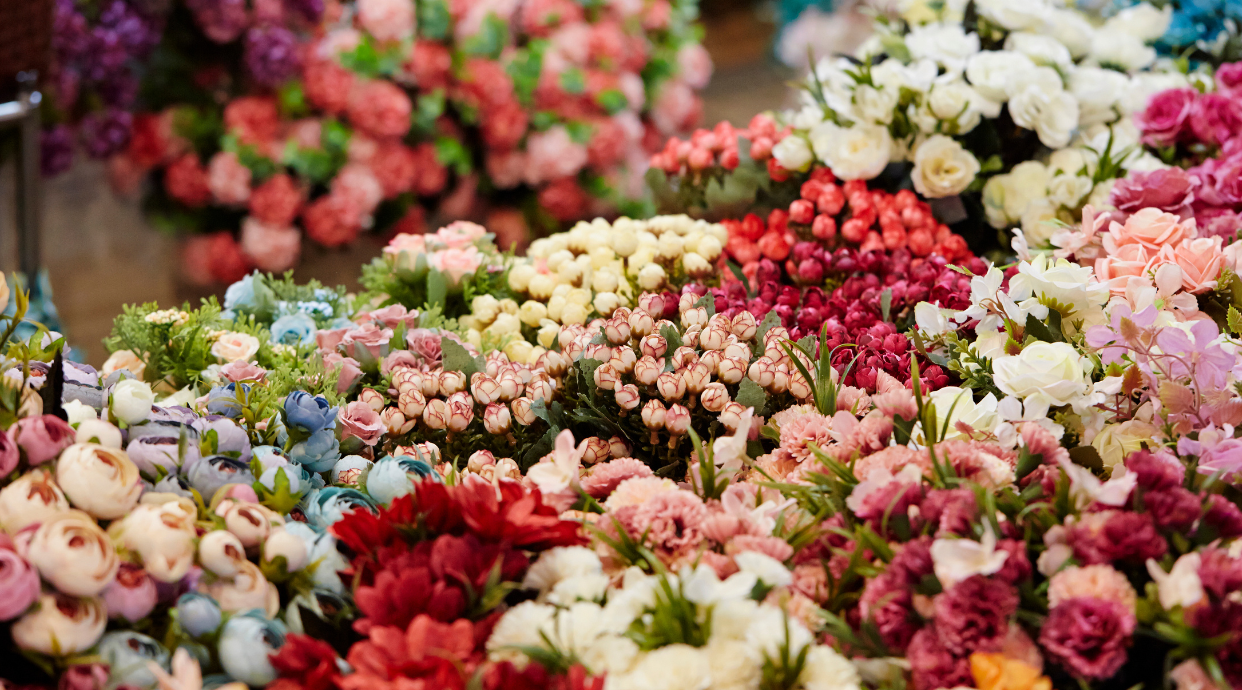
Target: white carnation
x,y
947,44
1052,114
990,71
1044,50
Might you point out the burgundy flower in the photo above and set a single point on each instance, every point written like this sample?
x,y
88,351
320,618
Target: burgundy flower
x,y
973,615
1088,636
913,561
1017,567
888,602
1223,516
951,510
1220,573
1116,535
1156,470
933,666
1168,189
1175,508
1215,118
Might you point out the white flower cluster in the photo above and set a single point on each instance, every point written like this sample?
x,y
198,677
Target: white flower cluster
x,y
174,317
1059,75
579,616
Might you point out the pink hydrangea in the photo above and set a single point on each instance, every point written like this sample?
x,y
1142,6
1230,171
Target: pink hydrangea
x,y
380,108
277,201
387,20
605,477
677,108
331,221
228,179
357,185
269,247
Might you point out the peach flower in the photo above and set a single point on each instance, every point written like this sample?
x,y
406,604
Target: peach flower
x,y
1151,228
1098,581
456,263
1201,260
1116,268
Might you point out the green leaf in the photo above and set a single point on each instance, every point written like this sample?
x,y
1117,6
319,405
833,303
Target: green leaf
x,y
428,108
1234,320
673,338
573,81
492,37
434,20
1040,330
1087,456
612,101
770,321
437,287
741,277
750,394
708,302
580,132
524,69
886,304
455,357
453,154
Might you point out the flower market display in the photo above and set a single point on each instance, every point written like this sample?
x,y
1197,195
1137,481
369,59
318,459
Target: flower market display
x,y
263,124
814,440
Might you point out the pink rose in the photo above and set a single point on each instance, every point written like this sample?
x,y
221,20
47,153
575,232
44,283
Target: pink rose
x,y
367,342
387,20
1216,118
19,582
407,244
42,438
241,370
695,65
84,677
1149,227
399,359
1220,181
460,234
358,419
269,247
1201,261
425,343
1229,78
330,339
457,263
1164,120
1116,269
349,370
1168,189
390,316
552,154
9,453
228,179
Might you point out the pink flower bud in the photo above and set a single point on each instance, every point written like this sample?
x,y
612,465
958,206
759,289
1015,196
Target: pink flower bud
x,y
617,331
694,317
395,422
573,350
652,303
461,414
763,371
619,447
436,414
372,398
671,384
480,459
506,468
451,382
714,397
595,451
554,363
511,385
623,359
777,333
772,350
731,416
522,413
691,336
540,388
653,415
641,323
131,595
647,369
713,337
606,377
737,350
798,386
627,396
496,419
567,334
485,388
745,326
677,420
686,302
495,361
731,370
653,345
684,357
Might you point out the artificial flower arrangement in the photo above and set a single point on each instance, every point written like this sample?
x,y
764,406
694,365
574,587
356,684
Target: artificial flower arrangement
x,y
266,123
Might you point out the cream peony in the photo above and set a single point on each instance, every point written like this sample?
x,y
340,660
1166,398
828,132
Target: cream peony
x,y
860,152
73,554
235,347
101,481
60,625
162,535
990,71
31,498
1044,375
247,589
954,405
942,167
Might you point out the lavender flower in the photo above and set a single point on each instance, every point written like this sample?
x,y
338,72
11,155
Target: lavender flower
x,y
106,132
271,54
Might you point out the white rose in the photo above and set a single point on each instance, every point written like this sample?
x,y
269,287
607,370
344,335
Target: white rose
x,y
917,76
766,569
1014,15
943,168
235,347
955,405
1070,161
31,498
994,202
1070,285
990,71
1052,114
855,153
792,153
221,552
1044,50
1072,30
73,554
61,625
131,400
874,106
1044,375
98,431
1068,190
1097,91
1037,221
1040,77
1142,21
947,44
102,481
1025,183
1121,50
163,537
957,101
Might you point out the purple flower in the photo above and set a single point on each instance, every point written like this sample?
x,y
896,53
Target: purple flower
x,y
56,150
107,132
1108,340
1088,636
271,54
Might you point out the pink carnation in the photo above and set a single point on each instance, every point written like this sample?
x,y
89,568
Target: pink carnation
x,y
605,477
552,154
186,181
432,176
973,615
277,201
798,433
380,108
694,65
1098,581
672,521
539,17
564,199
933,666
332,221
387,20
1116,535
395,166
327,85
359,420
254,119
774,547
1088,636
506,169
891,460
356,184
270,248
504,125
228,179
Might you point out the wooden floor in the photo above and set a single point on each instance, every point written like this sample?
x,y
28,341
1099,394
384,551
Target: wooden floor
x,y
101,253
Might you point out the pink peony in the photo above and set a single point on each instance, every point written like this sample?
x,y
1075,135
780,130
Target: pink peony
x,y
1219,181
1088,636
1216,118
694,65
605,477
241,370
456,263
359,420
228,179
387,20
380,108
349,370
42,438
553,154
1229,78
672,521
1168,189
186,181
9,453
1098,581
270,248
19,582
277,201
1164,121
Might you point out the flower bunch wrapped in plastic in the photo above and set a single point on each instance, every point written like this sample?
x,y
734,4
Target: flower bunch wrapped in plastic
x,y
372,115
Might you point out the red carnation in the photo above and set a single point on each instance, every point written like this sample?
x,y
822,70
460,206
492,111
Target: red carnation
x,y
381,109
254,119
395,166
186,181
305,663
277,201
327,85
564,199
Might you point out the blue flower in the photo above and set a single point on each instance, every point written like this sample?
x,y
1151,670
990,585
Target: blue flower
x,y
228,400
270,456
317,453
308,413
297,328
127,654
198,614
324,507
209,474
241,294
245,644
390,478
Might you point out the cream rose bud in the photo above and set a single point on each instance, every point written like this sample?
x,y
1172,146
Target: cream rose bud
x,y
235,347
520,277
793,153
522,412
61,625
943,168
651,276
102,481
131,400
1044,375
221,552
73,554
247,589
31,498
246,521
532,312
98,431
78,411
292,548
162,536
860,152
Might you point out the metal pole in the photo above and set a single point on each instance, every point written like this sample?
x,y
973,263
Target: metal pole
x,y
29,208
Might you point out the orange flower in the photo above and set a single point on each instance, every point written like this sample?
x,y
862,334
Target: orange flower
x,y
996,672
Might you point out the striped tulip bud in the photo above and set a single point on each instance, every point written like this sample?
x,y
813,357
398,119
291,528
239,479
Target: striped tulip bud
x,y
677,420
653,415
522,413
496,419
628,397
436,414
671,385
714,397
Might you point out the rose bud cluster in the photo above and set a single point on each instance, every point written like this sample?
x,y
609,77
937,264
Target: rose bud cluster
x,y
717,148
